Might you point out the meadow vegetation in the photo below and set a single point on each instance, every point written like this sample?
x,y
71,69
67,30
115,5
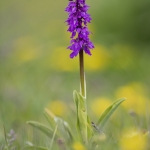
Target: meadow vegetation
x,y
37,73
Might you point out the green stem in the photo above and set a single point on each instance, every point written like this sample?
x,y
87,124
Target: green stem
x,y
7,147
82,74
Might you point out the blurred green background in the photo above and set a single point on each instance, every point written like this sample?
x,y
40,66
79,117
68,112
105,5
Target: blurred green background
x,y
35,68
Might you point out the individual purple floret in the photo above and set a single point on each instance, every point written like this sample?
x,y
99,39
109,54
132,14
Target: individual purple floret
x,y
77,22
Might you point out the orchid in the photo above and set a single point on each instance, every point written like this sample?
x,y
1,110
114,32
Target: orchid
x,y
77,22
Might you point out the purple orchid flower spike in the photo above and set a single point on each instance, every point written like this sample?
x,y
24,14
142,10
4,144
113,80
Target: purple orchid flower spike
x,y
77,22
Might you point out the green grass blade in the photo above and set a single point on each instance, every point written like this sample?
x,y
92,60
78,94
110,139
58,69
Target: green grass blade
x,y
68,130
53,120
31,146
46,130
49,118
5,138
35,148
52,141
63,128
108,112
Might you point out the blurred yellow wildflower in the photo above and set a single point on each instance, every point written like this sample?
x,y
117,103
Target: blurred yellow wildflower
x,y
136,99
57,107
78,146
63,61
133,140
24,49
97,61
99,105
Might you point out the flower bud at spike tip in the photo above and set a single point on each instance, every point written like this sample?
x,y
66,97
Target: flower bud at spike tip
x,y
77,22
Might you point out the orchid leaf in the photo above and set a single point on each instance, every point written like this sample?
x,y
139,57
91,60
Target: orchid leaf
x,y
89,128
108,112
75,97
81,114
46,130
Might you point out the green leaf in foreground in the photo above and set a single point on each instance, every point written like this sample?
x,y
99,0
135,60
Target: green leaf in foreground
x,y
82,123
63,126
31,146
6,138
108,112
46,130
67,127
49,117
75,97
52,141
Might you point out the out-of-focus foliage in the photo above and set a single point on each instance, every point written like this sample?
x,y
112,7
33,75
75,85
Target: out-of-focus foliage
x,y
35,68
123,21
137,100
58,107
